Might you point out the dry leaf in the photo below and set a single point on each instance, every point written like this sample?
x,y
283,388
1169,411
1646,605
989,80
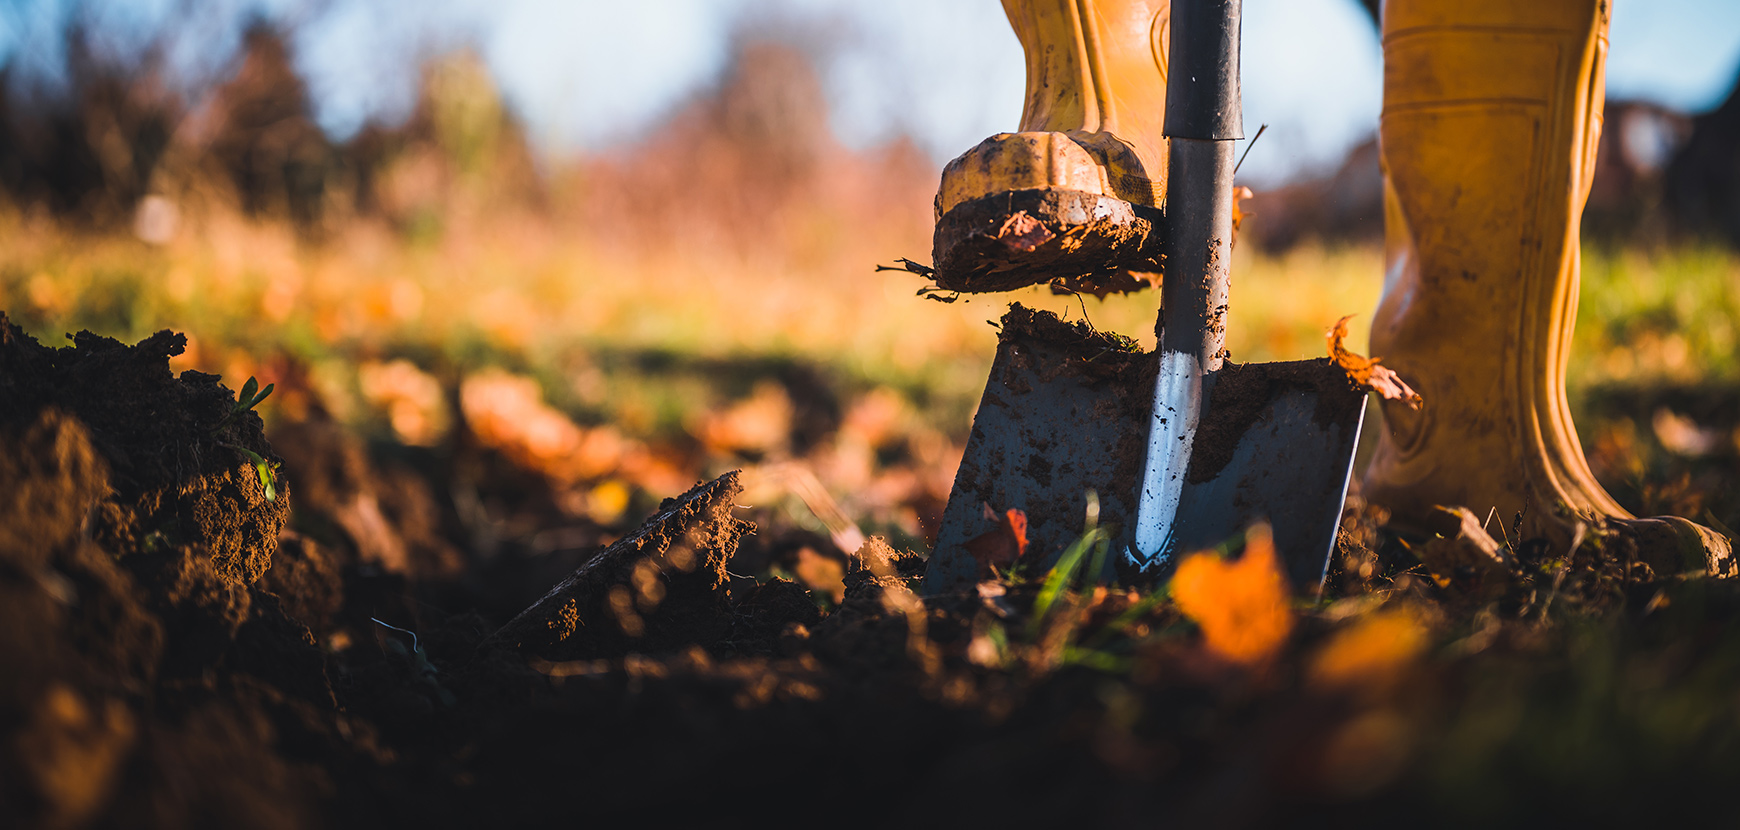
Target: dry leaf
x,y
1021,232
1366,372
1241,606
1371,655
1239,213
1002,545
1464,553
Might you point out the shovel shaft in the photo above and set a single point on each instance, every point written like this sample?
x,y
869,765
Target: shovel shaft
x,y
1193,296
1202,83
1203,119
1202,122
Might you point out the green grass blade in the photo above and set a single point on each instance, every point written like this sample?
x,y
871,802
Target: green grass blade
x,y
1064,571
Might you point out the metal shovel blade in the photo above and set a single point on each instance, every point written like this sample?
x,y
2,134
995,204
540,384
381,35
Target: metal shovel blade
x,y
1066,411
1275,444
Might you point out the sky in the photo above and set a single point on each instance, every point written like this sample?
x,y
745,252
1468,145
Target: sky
x,y
593,74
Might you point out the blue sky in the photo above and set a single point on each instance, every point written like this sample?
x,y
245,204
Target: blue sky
x,y
588,74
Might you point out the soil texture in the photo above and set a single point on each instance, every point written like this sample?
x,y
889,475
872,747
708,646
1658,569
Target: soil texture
x,y
181,650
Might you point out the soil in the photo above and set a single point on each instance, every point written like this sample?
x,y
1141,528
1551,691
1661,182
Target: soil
x,y
1243,390
1091,354
181,650
173,448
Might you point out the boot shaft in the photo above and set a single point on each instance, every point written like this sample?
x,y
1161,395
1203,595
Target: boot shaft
x,y
1492,111
1096,69
1095,104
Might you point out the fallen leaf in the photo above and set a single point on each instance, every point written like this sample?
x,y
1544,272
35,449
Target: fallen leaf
x,y
1021,232
1371,655
1242,605
1003,544
1366,372
1239,213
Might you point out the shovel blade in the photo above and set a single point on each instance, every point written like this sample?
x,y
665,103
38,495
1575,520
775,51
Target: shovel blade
x,y
1066,411
1289,466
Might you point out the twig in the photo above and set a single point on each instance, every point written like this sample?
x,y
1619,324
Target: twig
x,y
910,267
1248,147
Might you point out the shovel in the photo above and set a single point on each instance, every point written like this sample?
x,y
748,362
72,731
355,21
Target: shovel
x,y
1168,452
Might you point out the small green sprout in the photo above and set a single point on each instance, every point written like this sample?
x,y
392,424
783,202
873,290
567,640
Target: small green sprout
x,y
266,470
247,399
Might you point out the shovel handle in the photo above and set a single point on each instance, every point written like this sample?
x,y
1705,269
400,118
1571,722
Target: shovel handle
x,y
1202,79
1202,122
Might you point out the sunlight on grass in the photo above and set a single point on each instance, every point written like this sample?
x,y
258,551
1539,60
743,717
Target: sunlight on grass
x,y
1667,316
534,296
245,291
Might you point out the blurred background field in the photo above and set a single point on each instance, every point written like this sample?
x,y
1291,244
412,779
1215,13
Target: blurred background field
x,y
621,320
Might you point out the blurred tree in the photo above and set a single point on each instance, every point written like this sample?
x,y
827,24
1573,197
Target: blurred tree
x,y
260,131
1703,180
88,151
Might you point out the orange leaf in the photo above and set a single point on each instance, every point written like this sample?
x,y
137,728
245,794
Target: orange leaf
x,y
1003,544
1239,213
1366,372
1371,655
1241,606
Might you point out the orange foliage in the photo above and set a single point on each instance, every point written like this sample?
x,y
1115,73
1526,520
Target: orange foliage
x,y
1371,654
1366,372
1001,546
507,413
1242,605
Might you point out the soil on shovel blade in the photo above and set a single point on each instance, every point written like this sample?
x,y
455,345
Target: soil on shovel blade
x,y
193,637
1240,394
1243,390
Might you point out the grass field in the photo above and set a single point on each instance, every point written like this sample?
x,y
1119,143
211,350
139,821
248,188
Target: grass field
x,y
681,347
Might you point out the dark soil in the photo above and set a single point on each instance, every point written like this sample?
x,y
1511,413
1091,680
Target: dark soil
x,y
1096,354
1243,390
180,650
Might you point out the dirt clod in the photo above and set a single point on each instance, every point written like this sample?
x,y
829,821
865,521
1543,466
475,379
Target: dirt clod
x,y
678,599
174,448
1084,241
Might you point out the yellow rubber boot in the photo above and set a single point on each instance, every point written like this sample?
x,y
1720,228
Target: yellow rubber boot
x,y
1491,116
1073,195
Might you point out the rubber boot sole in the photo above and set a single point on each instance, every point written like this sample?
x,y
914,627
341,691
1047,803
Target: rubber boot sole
x,y
1076,241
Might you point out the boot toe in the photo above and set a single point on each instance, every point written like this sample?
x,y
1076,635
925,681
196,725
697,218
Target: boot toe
x,y
1672,545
